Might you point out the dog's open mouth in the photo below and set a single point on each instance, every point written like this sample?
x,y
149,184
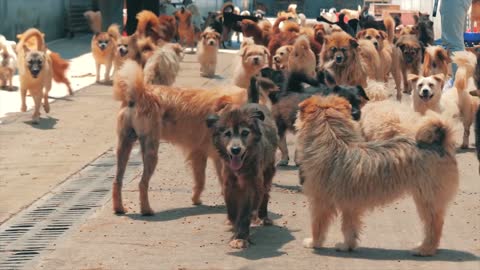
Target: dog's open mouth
x,y
426,97
236,161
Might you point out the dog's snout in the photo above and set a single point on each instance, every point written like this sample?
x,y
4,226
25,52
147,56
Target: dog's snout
x,y
425,92
211,43
375,44
356,113
338,59
276,58
235,150
256,60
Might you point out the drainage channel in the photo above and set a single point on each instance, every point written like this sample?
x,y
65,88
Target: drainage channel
x,y
34,230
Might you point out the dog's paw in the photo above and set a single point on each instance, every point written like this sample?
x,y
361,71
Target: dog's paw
x,y
35,120
423,251
23,108
147,211
238,243
343,247
310,243
46,107
464,146
267,222
196,201
283,162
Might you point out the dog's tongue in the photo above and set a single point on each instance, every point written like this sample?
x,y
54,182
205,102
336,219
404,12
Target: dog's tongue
x,y
236,163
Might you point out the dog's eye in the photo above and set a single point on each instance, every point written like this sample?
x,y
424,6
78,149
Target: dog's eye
x,y
281,53
245,133
430,84
420,84
343,49
434,65
227,134
368,37
377,37
333,49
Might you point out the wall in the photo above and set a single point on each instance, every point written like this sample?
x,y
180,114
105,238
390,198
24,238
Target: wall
x,y
424,7
17,16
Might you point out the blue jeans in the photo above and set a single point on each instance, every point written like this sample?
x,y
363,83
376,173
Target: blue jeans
x,y
454,18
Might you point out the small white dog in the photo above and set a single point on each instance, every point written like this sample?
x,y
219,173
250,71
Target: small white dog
x,y
253,59
8,62
207,50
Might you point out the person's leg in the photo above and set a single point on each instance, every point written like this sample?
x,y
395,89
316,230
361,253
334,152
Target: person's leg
x,y
133,7
454,14
111,12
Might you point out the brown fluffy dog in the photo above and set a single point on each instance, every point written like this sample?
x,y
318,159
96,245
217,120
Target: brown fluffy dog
x,y
246,140
207,51
302,58
163,65
126,49
260,35
36,72
103,46
410,58
146,47
170,25
186,31
149,26
280,59
153,113
350,61
281,38
435,61
253,59
8,65
343,173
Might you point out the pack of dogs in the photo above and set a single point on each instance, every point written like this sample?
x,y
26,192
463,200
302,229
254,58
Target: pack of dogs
x,y
323,80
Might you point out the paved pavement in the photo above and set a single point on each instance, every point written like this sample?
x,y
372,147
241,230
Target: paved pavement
x,y
35,159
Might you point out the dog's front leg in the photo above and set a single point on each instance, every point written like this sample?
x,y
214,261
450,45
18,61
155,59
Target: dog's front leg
x,y
284,150
149,146
97,66
107,71
23,97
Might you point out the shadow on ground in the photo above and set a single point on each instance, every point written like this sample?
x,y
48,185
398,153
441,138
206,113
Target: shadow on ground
x,y
381,254
44,124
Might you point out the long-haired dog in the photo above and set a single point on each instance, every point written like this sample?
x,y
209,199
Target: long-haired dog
x,y
477,135
351,61
341,172
8,63
410,58
163,65
94,20
207,50
427,92
170,25
260,32
149,25
36,72
280,59
436,60
252,59
146,47
280,38
185,29
246,141
153,113
424,28
302,58
127,48
104,45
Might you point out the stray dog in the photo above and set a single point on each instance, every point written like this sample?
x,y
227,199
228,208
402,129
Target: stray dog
x,y
435,61
145,47
170,24
280,59
253,59
103,50
341,172
410,58
302,58
8,63
126,49
349,28
246,141
424,27
94,20
427,92
36,72
149,25
231,21
163,65
186,31
207,51
153,113
260,32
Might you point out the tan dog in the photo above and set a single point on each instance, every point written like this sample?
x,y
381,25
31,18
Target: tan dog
x,y
340,172
427,92
186,31
436,60
8,63
163,65
127,48
153,113
207,51
103,50
410,58
302,58
94,19
36,72
280,59
253,59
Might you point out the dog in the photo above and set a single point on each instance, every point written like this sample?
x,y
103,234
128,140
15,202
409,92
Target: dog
x,y
149,25
253,59
477,135
246,141
163,65
207,51
94,20
350,61
427,92
8,63
185,29
282,37
435,60
127,48
146,47
153,113
424,27
342,172
103,47
170,24
349,28
302,58
36,72
280,59
231,21
260,32
410,58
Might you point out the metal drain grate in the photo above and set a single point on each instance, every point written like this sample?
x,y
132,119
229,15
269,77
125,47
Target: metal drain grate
x,y
34,230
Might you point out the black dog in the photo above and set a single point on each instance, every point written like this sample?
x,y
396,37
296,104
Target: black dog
x,y
425,29
350,27
231,21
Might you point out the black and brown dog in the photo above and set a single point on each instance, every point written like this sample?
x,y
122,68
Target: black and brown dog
x,y
411,58
246,140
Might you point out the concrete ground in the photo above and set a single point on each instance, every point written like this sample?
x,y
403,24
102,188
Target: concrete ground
x,y
36,158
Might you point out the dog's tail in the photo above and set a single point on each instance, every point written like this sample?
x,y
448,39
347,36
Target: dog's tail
x,y
35,33
377,91
128,85
276,25
59,67
436,134
163,66
390,26
146,20
466,62
114,31
302,43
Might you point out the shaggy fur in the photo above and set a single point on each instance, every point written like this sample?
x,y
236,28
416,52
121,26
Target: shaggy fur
x,y
246,140
341,172
127,48
185,30
149,25
424,27
207,51
170,24
163,66
477,135
8,64
427,92
153,113
302,58
35,70
435,61
146,47
280,59
281,38
410,58
94,20
103,46
252,59
261,36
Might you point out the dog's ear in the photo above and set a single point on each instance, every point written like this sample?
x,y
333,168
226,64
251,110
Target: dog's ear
x,y
443,56
289,48
266,52
258,115
222,103
96,34
203,35
383,35
439,77
211,120
361,34
401,46
25,48
475,93
362,93
353,43
413,78
217,36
